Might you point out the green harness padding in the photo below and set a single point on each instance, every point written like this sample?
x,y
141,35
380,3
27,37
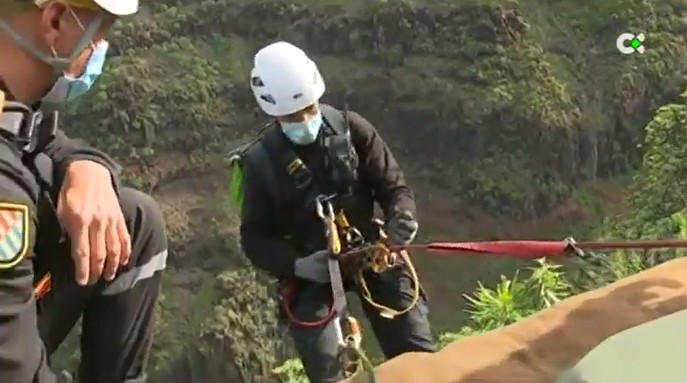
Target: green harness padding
x,y
651,352
236,186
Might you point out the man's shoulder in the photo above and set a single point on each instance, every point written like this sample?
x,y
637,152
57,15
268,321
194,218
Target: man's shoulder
x,y
360,128
260,144
10,156
349,119
257,156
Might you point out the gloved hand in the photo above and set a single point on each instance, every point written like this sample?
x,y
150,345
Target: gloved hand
x,y
65,377
402,228
314,267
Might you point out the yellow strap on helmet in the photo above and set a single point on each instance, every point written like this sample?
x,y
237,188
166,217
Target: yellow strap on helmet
x,y
84,4
81,4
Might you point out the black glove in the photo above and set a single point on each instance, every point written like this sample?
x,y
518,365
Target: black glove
x,y
402,228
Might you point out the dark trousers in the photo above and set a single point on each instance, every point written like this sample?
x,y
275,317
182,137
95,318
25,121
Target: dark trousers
x,y
117,325
318,347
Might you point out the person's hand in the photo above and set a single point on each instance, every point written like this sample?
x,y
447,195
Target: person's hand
x,y
314,267
89,210
65,377
402,228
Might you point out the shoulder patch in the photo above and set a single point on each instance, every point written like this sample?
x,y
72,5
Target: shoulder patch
x,y
14,233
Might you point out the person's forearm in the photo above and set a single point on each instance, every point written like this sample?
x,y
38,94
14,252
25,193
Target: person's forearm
x,y
64,152
397,199
381,168
274,256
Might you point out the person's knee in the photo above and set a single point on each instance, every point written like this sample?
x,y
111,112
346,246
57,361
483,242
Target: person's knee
x,y
409,332
148,244
318,349
144,221
419,333
311,302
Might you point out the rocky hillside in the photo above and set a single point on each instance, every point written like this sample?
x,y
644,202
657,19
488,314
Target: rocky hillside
x,y
510,117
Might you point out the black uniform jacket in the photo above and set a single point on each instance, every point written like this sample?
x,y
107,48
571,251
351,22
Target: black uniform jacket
x,y
22,355
269,232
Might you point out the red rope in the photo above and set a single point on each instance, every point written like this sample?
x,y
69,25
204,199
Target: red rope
x,y
539,249
520,249
288,294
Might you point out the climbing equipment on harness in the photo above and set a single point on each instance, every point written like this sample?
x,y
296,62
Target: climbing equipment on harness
x,y
348,330
43,286
340,237
29,130
378,258
341,160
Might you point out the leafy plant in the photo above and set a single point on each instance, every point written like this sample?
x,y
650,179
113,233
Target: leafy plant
x,y
514,299
244,330
291,371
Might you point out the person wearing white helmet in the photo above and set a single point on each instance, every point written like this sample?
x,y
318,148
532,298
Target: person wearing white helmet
x,y
72,242
311,150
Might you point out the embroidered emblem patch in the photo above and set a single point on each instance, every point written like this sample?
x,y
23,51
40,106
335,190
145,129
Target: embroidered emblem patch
x,y
14,233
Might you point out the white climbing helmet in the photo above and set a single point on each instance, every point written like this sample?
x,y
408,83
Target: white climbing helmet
x,y
284,79
115,7
118,7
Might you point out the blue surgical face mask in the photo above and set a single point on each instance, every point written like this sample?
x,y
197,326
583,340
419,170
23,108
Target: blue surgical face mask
x,y
68,88
305,132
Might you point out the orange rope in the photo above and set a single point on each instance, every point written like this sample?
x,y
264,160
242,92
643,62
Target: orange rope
x,y
43,286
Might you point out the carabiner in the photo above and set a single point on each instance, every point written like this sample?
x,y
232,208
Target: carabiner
x,y
326,213
319,207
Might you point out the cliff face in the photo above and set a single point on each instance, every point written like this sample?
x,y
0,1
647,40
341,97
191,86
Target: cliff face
x,y
504,106
498,110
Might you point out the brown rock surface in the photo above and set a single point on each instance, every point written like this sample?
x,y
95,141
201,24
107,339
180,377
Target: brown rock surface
x,y
539,348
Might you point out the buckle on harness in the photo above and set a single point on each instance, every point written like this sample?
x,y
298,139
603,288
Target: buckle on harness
x,y
300,174
27,128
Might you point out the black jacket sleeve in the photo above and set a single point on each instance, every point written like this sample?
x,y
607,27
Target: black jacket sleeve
x,y
379,167
261,238
22,355
64,150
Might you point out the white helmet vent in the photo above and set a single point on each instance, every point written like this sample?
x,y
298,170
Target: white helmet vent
x,y
268,99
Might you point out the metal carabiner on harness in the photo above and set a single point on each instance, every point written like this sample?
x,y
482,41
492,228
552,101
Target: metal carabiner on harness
x,y
325,211
351,348
349,339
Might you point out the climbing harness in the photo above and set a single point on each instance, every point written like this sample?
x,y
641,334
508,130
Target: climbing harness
x,y
347,327
341,237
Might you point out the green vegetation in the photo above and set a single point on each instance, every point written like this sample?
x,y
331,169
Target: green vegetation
x,y
511,118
